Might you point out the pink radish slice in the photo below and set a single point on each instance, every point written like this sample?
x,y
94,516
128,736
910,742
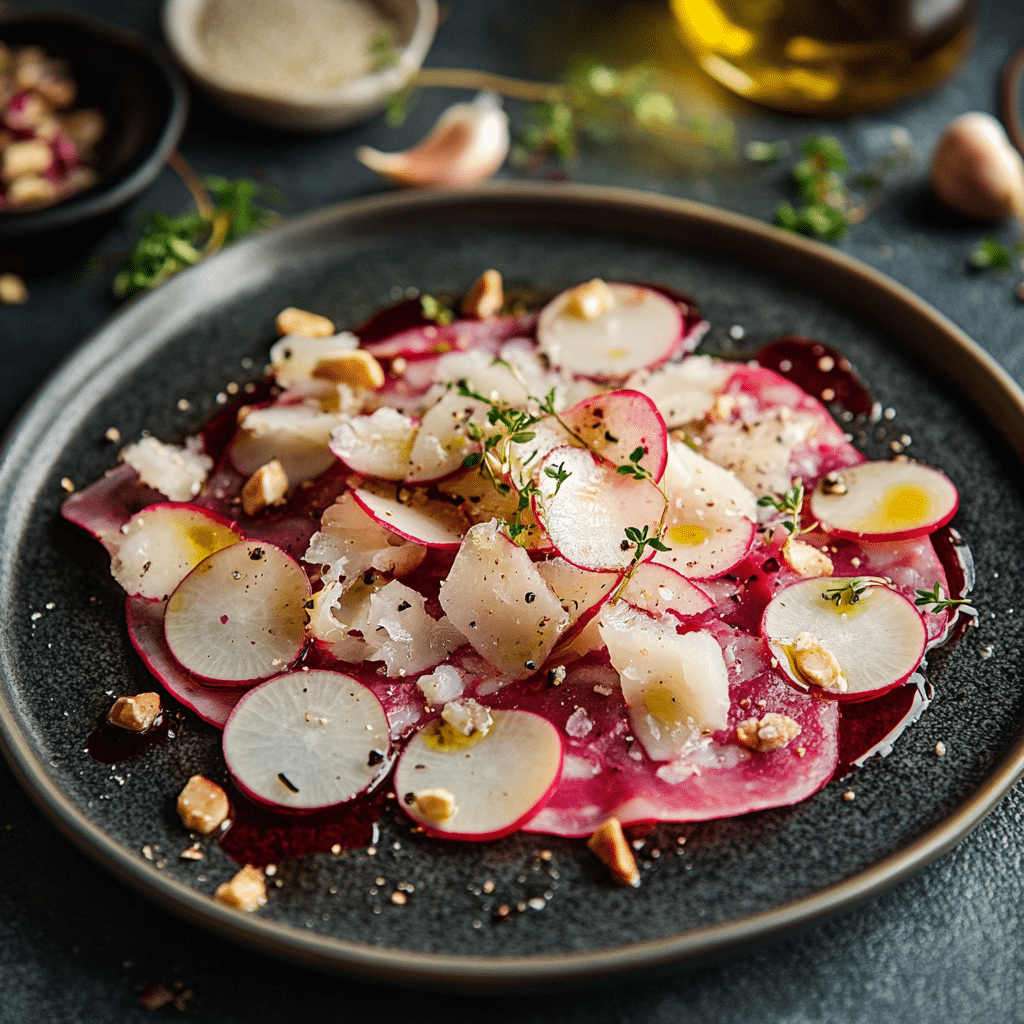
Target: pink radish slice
x,y
660,590
497,780
146,629
105,506
578,590
306,740
641,329
619,424
442,441
163,543
874,633
884,501
587,516
239,615
434,524
377,445
458,336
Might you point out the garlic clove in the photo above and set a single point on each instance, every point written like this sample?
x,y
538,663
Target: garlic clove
x,y
976,171
468,144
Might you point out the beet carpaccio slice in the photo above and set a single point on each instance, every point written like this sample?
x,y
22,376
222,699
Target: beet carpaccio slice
x,y
465,539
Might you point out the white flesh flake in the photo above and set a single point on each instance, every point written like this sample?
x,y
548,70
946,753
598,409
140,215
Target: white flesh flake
x,y
404,635
376,445
340,609
877,640
294,357
642,328
295,435
239,614
443,439
676,686
684,392
350,542
160,546
711,515
500,602
442,685
587,516
759,449
307,739
174,470
435,524
884,499
498,779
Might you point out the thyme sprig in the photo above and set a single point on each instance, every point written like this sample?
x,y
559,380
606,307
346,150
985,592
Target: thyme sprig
x,y
434,309
847,592
789,504
936,603
633,467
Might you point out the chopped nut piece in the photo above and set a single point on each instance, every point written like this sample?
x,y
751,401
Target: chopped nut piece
x,y
112,434
435,804
940,748
849,796
833,483
31,190
136,714
299,321
588,301
468,716
266,487
609,845
155,997
12,290
817,664
356,368
772,732
202,805
246,891
191,853
485,298
399,899
806,560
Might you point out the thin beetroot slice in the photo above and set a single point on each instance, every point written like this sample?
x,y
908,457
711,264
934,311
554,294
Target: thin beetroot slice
x,y
458,336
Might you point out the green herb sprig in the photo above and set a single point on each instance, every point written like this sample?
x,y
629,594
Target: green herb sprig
x,y
935,602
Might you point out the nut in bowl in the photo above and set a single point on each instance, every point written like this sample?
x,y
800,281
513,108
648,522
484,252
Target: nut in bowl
x,y
107,109
300,66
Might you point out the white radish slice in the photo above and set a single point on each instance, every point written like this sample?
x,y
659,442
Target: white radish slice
x,y
145,621
377,445
684,391
642,328
884,501
295,435
660,590
491,782
710,524
577,590
306,740
877,639
513,378
676,686
163,543
499,601
619,425
239,614
587,513
434,524
442,441
350,541
480,501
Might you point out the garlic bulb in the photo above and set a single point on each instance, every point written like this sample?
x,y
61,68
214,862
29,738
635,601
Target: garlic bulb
x,y
468,144
976,171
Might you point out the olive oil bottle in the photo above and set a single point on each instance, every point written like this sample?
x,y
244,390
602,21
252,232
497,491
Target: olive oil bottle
x,y
826,56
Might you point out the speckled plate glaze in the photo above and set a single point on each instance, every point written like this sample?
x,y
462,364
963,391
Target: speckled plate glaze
x,y
64,650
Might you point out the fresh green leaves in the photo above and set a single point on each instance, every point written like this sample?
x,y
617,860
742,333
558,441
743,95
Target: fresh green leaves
x,y
789,504
641,540
434,309
848,592
935,602
633,468
993,255
820,178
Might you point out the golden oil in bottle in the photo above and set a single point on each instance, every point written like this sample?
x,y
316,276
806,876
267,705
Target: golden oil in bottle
x,y
826,56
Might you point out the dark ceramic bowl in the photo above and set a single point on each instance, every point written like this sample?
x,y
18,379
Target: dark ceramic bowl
x,y
145,103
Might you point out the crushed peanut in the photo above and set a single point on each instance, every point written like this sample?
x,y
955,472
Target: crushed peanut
x,y
13,291
485,298
833,483
806,560
136,714
299,321
435,804
609,845
588,301
772,732
817,664
357,368
266,487
246,891
467,716
202,805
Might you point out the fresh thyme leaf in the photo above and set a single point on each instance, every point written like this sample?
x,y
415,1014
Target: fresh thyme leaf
x,y
766,152
434,309
939,603
848,592
471,460
993,255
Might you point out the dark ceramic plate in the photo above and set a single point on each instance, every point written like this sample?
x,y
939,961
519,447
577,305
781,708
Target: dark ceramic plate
x,y
64,651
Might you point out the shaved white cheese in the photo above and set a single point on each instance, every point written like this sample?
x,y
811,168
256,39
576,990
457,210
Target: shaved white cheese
x,y
179,471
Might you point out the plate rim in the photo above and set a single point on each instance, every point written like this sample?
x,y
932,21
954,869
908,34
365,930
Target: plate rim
x,y
878,300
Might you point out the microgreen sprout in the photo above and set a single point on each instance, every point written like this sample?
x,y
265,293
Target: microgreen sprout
x,y
936,603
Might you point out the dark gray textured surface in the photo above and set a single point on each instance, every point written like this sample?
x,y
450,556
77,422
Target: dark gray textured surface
x,y
944,946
